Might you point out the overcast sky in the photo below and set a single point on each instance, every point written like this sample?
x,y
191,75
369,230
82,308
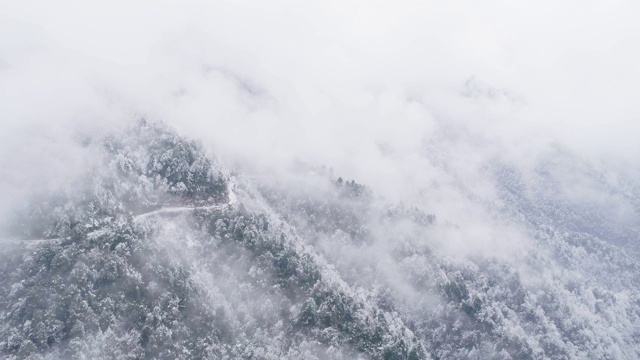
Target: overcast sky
x,y
363,87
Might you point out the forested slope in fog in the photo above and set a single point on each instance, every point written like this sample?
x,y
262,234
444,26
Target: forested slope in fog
x,y
158,250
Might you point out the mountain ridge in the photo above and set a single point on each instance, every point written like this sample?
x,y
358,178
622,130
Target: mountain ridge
x,y
162,253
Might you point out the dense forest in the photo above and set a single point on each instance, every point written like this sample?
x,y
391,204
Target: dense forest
x,y
159,251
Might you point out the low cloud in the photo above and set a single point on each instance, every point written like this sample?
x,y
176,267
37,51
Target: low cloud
x,y
414,100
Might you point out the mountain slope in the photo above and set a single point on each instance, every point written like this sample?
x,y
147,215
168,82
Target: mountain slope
x,y
159,252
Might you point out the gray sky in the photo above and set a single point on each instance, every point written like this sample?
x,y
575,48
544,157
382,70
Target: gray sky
x,y
363,87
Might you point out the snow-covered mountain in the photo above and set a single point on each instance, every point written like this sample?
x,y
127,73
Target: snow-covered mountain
x,y
159,251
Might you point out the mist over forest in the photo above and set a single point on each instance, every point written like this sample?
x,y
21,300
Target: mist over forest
x,y
319,180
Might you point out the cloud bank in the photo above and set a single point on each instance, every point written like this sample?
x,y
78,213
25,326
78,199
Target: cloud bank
x,y
413,99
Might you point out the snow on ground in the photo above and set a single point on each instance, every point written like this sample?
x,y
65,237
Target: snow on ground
x,y
232,195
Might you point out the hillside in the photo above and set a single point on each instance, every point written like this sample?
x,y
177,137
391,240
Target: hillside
x,y
159,251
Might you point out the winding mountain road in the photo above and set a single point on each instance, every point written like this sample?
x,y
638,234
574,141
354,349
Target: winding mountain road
x,y
162,211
